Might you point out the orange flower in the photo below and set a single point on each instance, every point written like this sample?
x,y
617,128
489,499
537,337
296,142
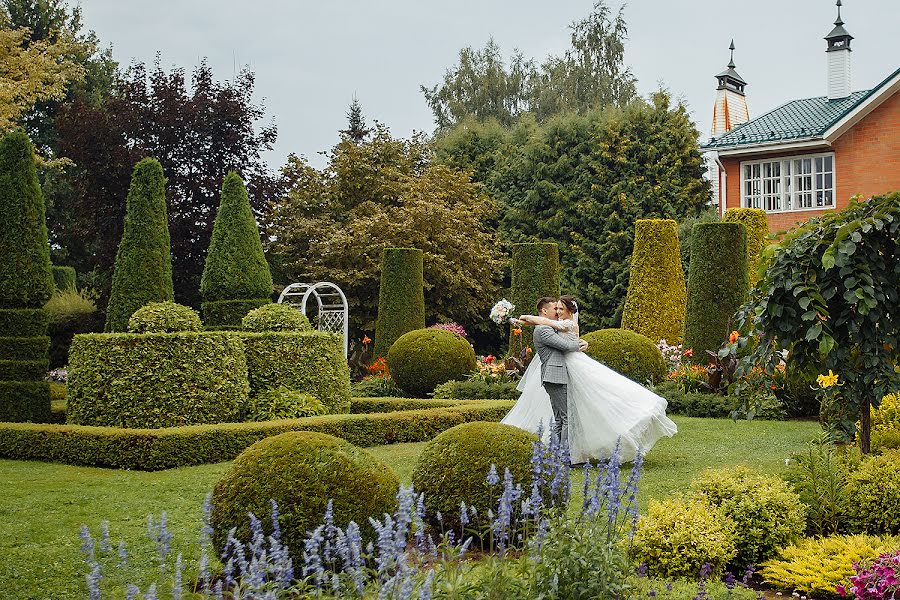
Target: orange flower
x,y
528,350
733,337
366,340
517,331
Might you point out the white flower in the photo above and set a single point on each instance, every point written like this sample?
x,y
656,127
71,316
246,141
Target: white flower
x,y
500,312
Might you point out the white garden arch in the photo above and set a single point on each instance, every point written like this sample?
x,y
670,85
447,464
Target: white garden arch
x,y
331,302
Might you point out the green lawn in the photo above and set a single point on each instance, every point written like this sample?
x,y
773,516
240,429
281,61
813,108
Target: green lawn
x,y
43,505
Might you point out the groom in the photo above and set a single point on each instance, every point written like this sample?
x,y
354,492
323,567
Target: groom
x,y
551,347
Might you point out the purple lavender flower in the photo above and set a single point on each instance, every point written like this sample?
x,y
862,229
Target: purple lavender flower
x,y
425,590
132,592
492,478
176,585
151,593
93,581
87,544
203,572
206,530
463,514
730,580
502,524
123,555
104,537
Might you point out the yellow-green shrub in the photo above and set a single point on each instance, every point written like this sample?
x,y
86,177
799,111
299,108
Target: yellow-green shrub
x,y
283,403
757,224
164,317
873,494
275,317
887,416
678,536
627,352
818,565
766,513
421,360
654,305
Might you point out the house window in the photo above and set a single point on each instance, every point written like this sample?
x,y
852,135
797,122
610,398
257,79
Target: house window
x,y
795,183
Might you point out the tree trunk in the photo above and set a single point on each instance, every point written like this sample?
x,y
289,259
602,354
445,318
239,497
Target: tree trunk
x,y
865,426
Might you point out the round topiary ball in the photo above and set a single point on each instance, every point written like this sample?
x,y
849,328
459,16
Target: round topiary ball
x,y
627,352
284,403
164,317
301,471
275,317
421,360
454,466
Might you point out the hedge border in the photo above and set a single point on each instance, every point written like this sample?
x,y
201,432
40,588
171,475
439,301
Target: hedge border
x,y
23,322
158,449
24,348
24,370
227,314
25,401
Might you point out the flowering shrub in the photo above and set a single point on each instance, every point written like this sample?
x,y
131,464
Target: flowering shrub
x,y
674,355
452,328
58,376
375,386
876,580
690,378
379,368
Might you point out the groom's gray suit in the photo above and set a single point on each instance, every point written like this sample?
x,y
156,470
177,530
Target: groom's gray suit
x,y
551,347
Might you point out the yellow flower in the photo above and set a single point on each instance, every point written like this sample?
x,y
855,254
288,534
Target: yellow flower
x,y
826,381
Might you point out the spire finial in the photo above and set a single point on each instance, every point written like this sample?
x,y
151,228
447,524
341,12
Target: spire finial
x,y
839,21
731,47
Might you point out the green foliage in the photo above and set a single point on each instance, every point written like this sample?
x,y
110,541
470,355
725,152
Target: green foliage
x,y
694,404
21,348
830,297
627,352
873,494
376,387
654,305
156,379
235,268
677,537
535,274
283,403
819,476
421,360
401,299
818,565
275,317
686,235
307,361
166,448
71,311
24,401
143,272
474,389
717,285
26,322
164,317
887,416
26,280
229,311
757,223
302,471
766,513
453,466
63,278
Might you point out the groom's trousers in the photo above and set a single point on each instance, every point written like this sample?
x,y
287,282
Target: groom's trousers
x,y
559,401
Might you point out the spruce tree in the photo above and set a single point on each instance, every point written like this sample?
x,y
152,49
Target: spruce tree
x,y
356,127
236,277
143,271
26,283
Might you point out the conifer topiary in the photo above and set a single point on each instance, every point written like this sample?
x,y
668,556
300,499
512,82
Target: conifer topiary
x,y
717,285
26,283
64,278
401,297
654,306
535,274
143,271
757,224
236,271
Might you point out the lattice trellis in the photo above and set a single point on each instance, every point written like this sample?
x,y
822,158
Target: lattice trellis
x,y
333,314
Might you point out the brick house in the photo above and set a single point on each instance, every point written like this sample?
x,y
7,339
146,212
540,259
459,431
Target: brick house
x,y
811,155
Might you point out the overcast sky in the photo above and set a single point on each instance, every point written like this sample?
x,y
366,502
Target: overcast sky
x,y
310,58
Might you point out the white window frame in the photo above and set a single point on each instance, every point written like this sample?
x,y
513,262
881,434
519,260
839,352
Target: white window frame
x,y
782,194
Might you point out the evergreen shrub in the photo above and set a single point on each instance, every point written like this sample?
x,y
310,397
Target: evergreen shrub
x,y
24,401
453,466
64,278
654,305
152,380
873,494
283,403
474,389
535,274
164,317
275,317
235,267
143,271
217,312
422,359
717,285
21,348
71,311
301,471
757,223
401,297
376,387
307,361
25,322
627,352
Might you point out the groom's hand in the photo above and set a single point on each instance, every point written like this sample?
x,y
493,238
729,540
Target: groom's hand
x,y
582,345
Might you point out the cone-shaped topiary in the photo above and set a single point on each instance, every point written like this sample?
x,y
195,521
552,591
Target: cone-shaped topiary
x,y
654,305
717,285
401,297
26,283
423,359
535,274
757,224
633,355
143,272
235,268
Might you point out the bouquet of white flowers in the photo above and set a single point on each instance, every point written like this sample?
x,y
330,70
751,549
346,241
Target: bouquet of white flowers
x,y
500,313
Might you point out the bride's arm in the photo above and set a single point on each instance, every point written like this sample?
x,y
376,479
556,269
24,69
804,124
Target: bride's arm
x,y
535,320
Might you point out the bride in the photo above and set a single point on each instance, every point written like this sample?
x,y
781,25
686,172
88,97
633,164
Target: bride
x,y
603,406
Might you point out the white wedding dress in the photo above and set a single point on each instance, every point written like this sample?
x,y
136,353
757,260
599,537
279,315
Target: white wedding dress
x,y
604,407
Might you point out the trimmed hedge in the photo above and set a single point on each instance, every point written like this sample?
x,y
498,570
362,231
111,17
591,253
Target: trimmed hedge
x,y
64,278
535,274
23,370
143,271
156,379
22,401
421,360
401,297
26,280
219,312
71,312
235,267
717,285
24,348
757,224
166,448
24,322
627,352
654,305
307,361
275,317
164,317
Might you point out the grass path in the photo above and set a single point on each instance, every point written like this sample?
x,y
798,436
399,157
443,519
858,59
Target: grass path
x,y
43,505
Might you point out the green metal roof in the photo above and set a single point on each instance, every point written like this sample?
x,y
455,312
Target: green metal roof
x,y
799,119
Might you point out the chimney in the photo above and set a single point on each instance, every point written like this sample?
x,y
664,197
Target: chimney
x,y
838,53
